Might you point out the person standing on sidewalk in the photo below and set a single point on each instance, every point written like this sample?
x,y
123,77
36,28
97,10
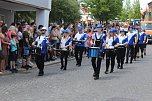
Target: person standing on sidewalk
x,y
81,38
66,42
41,44
26,48
13,53
98,40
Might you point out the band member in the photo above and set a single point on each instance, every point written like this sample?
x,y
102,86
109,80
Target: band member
x,y
111,41
121,49
66,41
136,54
142,40
81,38
145,45
41,44
98,39
131,42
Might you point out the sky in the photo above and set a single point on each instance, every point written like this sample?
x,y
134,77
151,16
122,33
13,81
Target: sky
x,y
143,3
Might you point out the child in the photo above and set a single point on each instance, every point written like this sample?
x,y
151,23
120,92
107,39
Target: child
x,y
13,53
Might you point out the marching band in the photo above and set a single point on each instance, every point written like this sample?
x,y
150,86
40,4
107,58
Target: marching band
x,y
115,44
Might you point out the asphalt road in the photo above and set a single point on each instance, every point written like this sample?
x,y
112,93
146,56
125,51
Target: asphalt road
x,y
133,83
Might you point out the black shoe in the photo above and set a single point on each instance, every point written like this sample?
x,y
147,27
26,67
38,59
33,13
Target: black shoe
x,y
121,67
106,72
77,64
144,53
7,68
94,74
111,71
15,70
25,67
130,62
142,56
126,62
28,66
41,74
52,59
62,67
96,78
118,66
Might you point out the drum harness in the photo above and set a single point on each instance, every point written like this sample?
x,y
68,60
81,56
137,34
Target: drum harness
x,y
97,42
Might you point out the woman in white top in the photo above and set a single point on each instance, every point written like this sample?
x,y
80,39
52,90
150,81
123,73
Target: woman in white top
x,y
111,41
66,41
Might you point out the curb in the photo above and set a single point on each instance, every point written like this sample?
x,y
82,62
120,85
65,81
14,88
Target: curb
x,y
34,66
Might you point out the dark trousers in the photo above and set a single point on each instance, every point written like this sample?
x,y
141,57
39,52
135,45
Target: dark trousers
x,y
136,50
110,55
39,59
130,52
141,46
121,51
63,58
96,64
78,54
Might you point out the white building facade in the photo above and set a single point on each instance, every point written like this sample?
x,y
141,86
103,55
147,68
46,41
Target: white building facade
x,y
42,8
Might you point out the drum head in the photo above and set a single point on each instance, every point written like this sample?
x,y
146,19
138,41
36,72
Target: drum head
x,y
94,47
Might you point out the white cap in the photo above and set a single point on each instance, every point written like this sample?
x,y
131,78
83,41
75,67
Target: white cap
x,y
43,28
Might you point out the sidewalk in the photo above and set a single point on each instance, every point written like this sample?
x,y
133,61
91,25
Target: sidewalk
x,y
22,70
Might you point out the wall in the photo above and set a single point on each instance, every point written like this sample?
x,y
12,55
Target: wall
x,y
9,16
40,3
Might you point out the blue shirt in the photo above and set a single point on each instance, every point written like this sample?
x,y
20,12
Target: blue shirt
x,y
141,38
82,36
112,41
41,40
13,47
131,38
65,42
122,39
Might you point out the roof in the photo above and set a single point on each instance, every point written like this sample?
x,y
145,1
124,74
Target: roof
x,y
29,4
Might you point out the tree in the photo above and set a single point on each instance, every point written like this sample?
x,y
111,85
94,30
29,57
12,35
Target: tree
x,y
131,11
26,16
67,10
105,10
136,6
131,14
124,15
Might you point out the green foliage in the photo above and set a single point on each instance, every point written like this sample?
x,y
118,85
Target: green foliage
x,y
27,16
123,15
137,13
67,10
131,11
105,9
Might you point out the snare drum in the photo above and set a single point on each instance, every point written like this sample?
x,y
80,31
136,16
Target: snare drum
x,y
93,51
121,46
110,48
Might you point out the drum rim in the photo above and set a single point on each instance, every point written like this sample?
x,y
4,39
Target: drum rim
x,y
94,47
